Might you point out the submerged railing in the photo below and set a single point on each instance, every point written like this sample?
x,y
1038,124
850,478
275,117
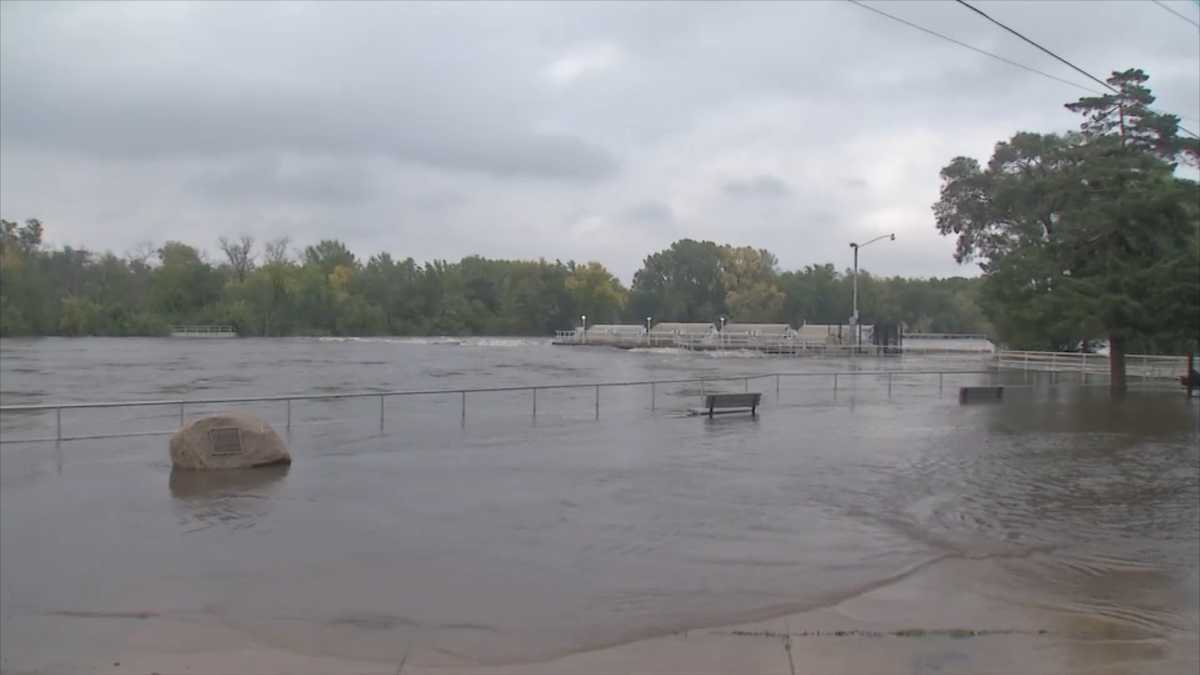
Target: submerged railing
x,y
834,378
1004,360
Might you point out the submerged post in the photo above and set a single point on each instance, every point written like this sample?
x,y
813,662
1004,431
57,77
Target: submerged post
x,y
776,388
1191,368
463,422
889,385
835,384
534,404
381,412
746,384
58,424
939,385
597,401
652,397
289,414
181,413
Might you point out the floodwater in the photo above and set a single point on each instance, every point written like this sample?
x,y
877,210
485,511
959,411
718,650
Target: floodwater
x,y
500,538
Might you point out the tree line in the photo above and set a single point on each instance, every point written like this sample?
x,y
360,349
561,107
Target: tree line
x,y
325,289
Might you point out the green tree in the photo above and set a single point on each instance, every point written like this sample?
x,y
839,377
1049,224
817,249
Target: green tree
x,y
752,292
681,283
1083,236
596,293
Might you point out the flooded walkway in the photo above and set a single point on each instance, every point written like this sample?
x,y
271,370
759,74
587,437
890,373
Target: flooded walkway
x,y
928,533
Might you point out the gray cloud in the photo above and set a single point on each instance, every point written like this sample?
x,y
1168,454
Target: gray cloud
x,y
442,130
650,212
768,187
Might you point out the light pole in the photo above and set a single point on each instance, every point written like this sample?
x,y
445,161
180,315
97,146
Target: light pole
x,y
583,318
648,330
854,314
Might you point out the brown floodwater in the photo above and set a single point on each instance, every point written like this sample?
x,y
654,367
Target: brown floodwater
x,y
507,541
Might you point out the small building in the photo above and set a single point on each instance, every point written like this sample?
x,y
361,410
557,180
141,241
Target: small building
x,y
603,333
672,329
682,334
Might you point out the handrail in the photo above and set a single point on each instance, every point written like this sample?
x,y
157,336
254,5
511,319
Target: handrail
x,y
36,407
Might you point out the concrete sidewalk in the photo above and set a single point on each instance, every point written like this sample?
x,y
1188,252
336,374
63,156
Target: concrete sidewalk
x,y
933,621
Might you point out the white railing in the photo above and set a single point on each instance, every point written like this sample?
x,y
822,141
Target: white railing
x,y
1137,366
203,331
773,344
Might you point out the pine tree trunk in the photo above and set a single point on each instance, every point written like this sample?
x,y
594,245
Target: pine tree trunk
x,y
1116,365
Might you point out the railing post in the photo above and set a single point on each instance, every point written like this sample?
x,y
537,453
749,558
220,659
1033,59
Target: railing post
x,y
835,384
289,414
463,422
1053,366
534,404
381,412
58,424
746,385
597,401
776,388
181,413
1145,368
889,385
1083,367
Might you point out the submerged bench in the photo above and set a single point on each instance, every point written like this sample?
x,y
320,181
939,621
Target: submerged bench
x,y
977,394
719,404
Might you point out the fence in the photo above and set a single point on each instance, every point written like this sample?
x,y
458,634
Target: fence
x,y
1137,366
835,379
203,331
769,344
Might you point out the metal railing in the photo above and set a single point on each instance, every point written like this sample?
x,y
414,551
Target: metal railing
x,y
203,331
287,400
1137,366
770,344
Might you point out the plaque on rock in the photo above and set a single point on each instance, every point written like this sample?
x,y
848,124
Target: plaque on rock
x,y
225,441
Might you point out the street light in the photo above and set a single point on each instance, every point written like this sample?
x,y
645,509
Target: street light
x,y
854,315
583,318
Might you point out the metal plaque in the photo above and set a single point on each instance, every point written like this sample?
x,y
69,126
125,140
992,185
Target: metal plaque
x,y
225,441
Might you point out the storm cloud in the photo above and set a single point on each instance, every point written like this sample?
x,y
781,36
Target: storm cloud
x,y
572,131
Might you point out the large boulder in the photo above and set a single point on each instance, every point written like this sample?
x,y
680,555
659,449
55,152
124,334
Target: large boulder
x,y
227,441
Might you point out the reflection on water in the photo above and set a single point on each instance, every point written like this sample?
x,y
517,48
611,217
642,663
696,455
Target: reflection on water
x,y
235,498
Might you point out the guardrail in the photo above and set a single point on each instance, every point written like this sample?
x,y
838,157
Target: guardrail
x,y
287,399
1144,366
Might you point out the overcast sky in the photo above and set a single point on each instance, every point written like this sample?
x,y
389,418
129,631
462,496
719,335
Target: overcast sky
x,y
572,131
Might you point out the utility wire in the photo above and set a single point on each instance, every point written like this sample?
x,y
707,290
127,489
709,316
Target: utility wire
x,y
974,49
1074,67
1166,7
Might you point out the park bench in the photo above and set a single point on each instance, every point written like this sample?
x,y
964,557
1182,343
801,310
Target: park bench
x,y
718,404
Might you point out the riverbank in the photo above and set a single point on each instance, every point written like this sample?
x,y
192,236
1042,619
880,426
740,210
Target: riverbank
x,y
935,619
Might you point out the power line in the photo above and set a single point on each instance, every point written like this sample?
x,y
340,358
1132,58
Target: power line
x,y
1074,67
1166,7
973,48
